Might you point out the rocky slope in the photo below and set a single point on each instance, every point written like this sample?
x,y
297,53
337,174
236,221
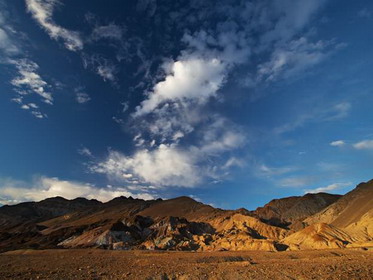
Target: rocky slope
x,y
291,211
349,209
313,221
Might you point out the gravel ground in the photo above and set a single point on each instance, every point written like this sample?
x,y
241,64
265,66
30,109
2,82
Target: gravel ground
x,y
103,264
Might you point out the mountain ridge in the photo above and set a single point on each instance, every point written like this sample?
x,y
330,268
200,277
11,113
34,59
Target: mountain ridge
x,y
312,221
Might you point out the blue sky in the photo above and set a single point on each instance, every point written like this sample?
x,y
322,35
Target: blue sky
x,y
231,102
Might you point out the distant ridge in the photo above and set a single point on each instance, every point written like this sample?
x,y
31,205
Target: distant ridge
x,y
312,221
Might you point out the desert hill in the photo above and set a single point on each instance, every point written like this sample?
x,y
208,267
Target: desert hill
x,y
318,236
353,213
313,221
290,211
347,210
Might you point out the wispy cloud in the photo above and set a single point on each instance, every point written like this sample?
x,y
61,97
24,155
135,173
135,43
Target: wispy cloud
x,y
268,171
82,97
84,151
319,114
42,11
110,31
104,67
293,58
296,182
29,81
329,188
364,145
7,45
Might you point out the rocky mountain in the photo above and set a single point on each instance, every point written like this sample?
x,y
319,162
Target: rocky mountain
x,y
352,213
312,221
291,211
43,210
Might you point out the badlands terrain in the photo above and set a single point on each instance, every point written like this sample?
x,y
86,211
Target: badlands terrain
x,y
315,236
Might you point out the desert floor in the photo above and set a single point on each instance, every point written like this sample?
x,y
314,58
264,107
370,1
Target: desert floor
x,y
103,264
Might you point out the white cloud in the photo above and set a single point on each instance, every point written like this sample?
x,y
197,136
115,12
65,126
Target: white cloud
x,y
174,165
338,143
328,188
364,145
82,97
174,119
107,72
42,11
167,165
14,191
221,136
192,79
38,115
28,80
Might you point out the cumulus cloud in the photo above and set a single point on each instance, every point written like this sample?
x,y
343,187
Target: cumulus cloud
x,y
171,120
42,11
338,143
44,187
167,165
178,165
364,145
188,80
331,187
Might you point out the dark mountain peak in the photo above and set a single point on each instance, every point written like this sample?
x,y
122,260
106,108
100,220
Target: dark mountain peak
x,y
55,198
183,199
123,199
